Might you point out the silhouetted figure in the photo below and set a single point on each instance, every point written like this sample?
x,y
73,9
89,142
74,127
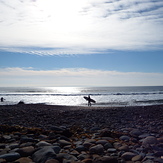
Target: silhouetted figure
x,y
2,99
89,100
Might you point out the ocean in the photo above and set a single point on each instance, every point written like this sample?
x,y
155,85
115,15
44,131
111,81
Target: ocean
x,y
73,96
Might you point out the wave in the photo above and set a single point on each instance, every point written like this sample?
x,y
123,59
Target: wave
x,y
150,101
79,94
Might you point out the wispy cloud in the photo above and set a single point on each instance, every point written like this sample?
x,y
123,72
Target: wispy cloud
x,y
73,27
76,77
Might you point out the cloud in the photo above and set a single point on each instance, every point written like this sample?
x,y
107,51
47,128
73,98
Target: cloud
x,y
76,77
74,27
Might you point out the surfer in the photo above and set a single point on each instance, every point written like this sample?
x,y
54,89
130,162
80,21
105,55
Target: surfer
x,y
2,99
89,100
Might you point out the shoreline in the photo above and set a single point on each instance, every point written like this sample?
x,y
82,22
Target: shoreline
x,y
22,114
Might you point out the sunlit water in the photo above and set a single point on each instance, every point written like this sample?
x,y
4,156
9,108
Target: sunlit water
x,y
104,96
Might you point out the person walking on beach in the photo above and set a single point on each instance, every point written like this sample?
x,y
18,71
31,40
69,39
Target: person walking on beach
x,y
89,100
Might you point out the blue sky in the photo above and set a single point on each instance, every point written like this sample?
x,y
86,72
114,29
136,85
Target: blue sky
x,y
81,43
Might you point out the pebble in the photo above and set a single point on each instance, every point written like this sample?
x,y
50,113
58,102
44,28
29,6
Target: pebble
x,y
128,155
97,149
149,141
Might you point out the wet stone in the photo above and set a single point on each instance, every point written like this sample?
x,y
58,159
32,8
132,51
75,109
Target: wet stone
x,y
128,155
124,148
43,143
124,138
64,142
148,141
137,158
97,149
26,151
43,154
135,133
111,150
10,156
24,160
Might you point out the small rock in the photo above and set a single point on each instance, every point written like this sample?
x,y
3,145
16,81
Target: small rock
x,y
148,141
128,155
52,161
111,150
107,159
9,157
137,158
64,143
102,142
24,160
42,155
135,133
97,149
43,143
26,151
124,148
80,148
124,138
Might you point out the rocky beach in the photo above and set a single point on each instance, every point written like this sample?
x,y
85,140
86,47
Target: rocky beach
x,y
35,133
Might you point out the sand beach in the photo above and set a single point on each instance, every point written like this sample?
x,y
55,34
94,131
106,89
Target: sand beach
x,y
47,133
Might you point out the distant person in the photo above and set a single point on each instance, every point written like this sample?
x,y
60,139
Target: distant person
x,y
2,99
89,100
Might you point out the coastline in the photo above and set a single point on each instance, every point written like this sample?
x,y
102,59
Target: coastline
x,y
82,134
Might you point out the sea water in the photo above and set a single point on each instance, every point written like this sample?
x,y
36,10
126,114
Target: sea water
x,y
104,96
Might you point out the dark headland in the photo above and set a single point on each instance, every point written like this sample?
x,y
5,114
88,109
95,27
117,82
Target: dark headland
x,y
62,134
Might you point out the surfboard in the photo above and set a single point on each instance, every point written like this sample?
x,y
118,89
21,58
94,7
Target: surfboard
x,y
91,100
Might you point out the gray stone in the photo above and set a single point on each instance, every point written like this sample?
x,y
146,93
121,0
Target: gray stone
x,y
87,145
14,145
80,148
128,155
10,156
65,157
149,141
144,135
24,160
106,159
43,143
102,142
26,151
124,148
135,133
124,138
137,158
97,149
64,143
111,150
43,154
52,161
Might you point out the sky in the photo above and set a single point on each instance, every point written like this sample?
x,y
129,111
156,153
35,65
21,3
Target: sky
x,y
81,43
